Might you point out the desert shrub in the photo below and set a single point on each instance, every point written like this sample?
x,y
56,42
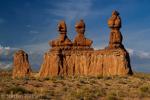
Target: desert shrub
x,y
32,78
107,77
113,93
103,91
46,78
54,85
77,85
141,94
107,84
19,93
143,88
61,82
64,88
114,76
57,77
82,81
125,77
84,88
99,94
92,77
61,77
36,85
128,89
122,82
51,93
92,81
99,76
111,97
29,91
16,90
120,93
1,90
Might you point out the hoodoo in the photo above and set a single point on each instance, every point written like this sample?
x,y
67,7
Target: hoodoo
x,y
21,64
78,57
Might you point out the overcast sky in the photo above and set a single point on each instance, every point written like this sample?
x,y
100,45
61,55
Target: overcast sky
x,y
29,25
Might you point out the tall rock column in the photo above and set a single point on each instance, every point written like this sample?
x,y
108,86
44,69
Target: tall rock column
x,y
21,64
114,23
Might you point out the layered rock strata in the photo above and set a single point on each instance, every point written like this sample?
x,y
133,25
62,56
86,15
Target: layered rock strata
x,y
21,64
100,62
78,57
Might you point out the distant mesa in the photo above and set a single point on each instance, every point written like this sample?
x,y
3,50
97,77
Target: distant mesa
x,y
78,57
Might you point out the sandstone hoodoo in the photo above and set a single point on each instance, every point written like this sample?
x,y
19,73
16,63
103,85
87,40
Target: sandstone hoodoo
x,y
114,23
78,57
21,64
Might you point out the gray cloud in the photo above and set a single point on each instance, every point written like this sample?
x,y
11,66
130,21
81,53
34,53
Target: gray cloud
x,y
6,57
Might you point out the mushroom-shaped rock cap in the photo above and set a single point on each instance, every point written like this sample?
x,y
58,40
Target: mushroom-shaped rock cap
x,y
62,26
80,24
115,13
20,52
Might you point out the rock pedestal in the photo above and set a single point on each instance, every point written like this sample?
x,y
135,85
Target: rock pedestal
x,y
21,64
78,57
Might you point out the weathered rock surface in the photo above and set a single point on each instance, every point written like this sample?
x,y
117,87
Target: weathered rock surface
x,y
80,58
116,38
104,62
21,64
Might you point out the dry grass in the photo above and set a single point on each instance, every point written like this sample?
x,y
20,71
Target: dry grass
x,y
77,87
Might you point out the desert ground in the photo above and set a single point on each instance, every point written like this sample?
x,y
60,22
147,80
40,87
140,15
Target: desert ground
x,y
77,87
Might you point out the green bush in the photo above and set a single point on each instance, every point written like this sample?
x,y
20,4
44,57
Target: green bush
x,y
143,88
16,90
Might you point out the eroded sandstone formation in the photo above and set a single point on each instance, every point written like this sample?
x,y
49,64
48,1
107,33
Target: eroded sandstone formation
x,y
63,42
78,57
114,23
21,64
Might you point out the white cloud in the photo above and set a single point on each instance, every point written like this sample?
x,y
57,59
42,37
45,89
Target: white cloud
x,y
143,54
33,32
5,66
130,51
73,10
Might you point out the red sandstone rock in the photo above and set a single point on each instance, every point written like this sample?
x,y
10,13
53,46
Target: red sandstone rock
x,y
114,23
104,62
21,64
63,40
80,39
80,58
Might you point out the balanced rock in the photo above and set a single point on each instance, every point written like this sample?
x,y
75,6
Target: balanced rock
x,y
78,57
114,23
80,39
63,42
21,64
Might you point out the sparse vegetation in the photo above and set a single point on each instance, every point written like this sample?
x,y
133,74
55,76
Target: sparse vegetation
x,y
79,87
16,90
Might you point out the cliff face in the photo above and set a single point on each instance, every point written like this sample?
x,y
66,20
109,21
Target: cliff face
x,y
100,62
21,64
